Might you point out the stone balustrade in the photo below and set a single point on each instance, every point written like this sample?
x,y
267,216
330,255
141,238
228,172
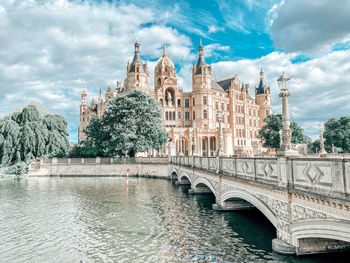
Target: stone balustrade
x,y
326,177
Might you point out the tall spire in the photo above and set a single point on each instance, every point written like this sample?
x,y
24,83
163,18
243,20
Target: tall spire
x,y
201,60
164,50
261,74
137,48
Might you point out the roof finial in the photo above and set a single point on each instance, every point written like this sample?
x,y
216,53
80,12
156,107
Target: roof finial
x,y
200,42
261,74
164,50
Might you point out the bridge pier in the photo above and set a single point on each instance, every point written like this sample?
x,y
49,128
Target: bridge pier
x,y
200,190
233,205
282,247
183,182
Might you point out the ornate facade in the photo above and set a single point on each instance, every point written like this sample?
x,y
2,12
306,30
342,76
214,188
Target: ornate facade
x,y
192,118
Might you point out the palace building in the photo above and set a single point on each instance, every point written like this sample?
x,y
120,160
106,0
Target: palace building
x,y
217,115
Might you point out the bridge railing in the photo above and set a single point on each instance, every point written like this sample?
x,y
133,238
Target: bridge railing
x,y
113,160
320,176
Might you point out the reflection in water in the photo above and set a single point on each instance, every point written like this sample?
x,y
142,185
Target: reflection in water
x,y
148,220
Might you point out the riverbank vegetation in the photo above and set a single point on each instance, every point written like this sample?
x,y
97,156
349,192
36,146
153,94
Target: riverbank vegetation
x,y
29,134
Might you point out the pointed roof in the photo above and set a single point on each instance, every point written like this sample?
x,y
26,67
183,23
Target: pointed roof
x,y
260,89
84,91
201,60
137,59
164,50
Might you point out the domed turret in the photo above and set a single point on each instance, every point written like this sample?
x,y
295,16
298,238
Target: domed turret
x,y
164,71
164,64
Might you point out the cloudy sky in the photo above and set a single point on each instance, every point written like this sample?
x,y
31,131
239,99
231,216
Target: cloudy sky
x,y
50,49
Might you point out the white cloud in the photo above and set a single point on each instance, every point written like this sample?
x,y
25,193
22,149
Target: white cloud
x,y
312,26
320,87
51,49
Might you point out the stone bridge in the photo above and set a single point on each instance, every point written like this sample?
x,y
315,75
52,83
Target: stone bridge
x,y
305,199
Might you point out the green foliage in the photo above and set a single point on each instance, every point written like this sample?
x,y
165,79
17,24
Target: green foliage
x,y
130,124
314,146
337,132
269,133
20,168
28,134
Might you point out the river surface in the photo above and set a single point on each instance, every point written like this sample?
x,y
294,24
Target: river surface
x,y
150,220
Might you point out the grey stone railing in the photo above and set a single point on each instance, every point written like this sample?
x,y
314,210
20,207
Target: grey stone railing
x,y
113,160
319,176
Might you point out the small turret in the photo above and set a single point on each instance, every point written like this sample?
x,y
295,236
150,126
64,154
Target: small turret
x,y
100,97
83,96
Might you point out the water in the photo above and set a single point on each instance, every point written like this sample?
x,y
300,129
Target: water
x,y
151,220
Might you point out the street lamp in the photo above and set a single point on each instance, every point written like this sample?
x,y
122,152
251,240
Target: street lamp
x,y
322,149
194,127
220,114
286,148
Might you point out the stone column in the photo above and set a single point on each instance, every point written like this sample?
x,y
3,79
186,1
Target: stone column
x,y
286,148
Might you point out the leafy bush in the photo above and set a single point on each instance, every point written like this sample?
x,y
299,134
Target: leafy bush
x,y
20,168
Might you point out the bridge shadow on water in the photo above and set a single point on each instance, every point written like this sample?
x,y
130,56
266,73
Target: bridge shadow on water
x,y
258,232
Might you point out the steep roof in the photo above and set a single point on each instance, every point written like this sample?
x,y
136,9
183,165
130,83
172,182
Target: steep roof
x,y
201,60
225,83
137,59
216,86
260,89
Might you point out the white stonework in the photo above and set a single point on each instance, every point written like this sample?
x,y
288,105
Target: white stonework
x,y
305,199
242,119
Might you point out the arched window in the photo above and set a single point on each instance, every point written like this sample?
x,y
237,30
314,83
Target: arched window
x,y
173,115
166,115
159,83
179,103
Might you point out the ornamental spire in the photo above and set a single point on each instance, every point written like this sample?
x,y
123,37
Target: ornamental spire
x,y
164,50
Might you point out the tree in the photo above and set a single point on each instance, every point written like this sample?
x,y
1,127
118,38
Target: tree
x,y
269,133
337,132
131,123
29,134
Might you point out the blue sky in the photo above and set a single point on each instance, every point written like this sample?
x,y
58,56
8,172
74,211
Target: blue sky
x,y
50,49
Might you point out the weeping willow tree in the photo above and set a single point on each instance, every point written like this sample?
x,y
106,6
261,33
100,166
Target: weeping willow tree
x,y
29,134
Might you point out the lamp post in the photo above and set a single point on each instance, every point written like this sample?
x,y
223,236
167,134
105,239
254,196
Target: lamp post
x,y
286,148
220,114
322,149
180,144
194,128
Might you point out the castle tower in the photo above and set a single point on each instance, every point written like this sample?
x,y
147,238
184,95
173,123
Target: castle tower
x,y
82,117
100,107
201,73
137,77
263,99
165,80
201,95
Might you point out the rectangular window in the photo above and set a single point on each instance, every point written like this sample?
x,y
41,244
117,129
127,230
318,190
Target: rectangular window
x,y
205,114
204,100
173,115
194,115
166,115
170,116
187,116
194,102
187,103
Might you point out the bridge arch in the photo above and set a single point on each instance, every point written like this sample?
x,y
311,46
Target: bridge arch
x,y
184,175
320,228
261,206
174,173
205,182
